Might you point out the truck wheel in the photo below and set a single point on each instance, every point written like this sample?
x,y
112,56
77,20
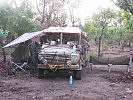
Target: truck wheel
x,y
40,73
77,74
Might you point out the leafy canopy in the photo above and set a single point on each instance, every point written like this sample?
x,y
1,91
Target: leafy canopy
x,y
17,19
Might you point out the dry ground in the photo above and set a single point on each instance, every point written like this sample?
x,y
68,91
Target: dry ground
x,y
98,85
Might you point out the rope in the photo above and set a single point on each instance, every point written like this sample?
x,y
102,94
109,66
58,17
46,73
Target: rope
x,y
54,67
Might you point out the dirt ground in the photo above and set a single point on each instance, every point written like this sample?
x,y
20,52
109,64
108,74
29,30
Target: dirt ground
x,y
95,85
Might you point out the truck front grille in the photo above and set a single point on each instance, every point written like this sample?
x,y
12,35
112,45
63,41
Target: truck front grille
x,y
54,58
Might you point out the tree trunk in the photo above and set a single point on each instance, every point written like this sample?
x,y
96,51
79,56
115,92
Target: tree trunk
x,y
3,51
99,44
129,7
99,47
43,15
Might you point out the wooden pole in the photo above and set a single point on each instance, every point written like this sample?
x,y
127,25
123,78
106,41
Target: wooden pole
x,y
109,67
130,64
3,52
91,65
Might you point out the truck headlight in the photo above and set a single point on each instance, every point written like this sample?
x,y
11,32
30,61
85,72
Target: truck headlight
x,y
75,58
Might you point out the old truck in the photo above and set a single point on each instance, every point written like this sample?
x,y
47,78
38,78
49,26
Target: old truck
x,y
60,48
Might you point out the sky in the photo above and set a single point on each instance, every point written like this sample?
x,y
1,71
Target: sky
x,y
88,7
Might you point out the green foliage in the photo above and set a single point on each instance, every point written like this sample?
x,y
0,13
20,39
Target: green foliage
x,y
3,33
117,26
89,28
127,5
126,19
17,20
99,23
104,17
5,17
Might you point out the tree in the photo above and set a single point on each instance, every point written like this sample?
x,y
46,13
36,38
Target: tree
x,y
72,8
24,18
2,35
127,5
102,20
17,20
125,26
89,28
50,13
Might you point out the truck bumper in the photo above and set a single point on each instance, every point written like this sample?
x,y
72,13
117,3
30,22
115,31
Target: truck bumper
x,y
65,67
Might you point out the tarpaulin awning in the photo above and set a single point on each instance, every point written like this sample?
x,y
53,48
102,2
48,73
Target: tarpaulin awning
x,y
28,36
23,38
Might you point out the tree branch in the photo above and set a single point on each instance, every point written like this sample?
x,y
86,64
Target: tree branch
x,y
43,12
128,6
38,8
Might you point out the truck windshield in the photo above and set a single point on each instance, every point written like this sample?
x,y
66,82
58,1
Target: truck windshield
x,y
59,38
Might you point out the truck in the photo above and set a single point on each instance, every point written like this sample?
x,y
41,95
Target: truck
x,y
60,48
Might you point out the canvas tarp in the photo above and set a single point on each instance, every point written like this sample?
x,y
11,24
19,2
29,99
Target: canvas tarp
x,y
23,38
28,36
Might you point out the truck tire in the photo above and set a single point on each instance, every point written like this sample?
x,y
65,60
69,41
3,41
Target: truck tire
x,y
77,74
40,73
